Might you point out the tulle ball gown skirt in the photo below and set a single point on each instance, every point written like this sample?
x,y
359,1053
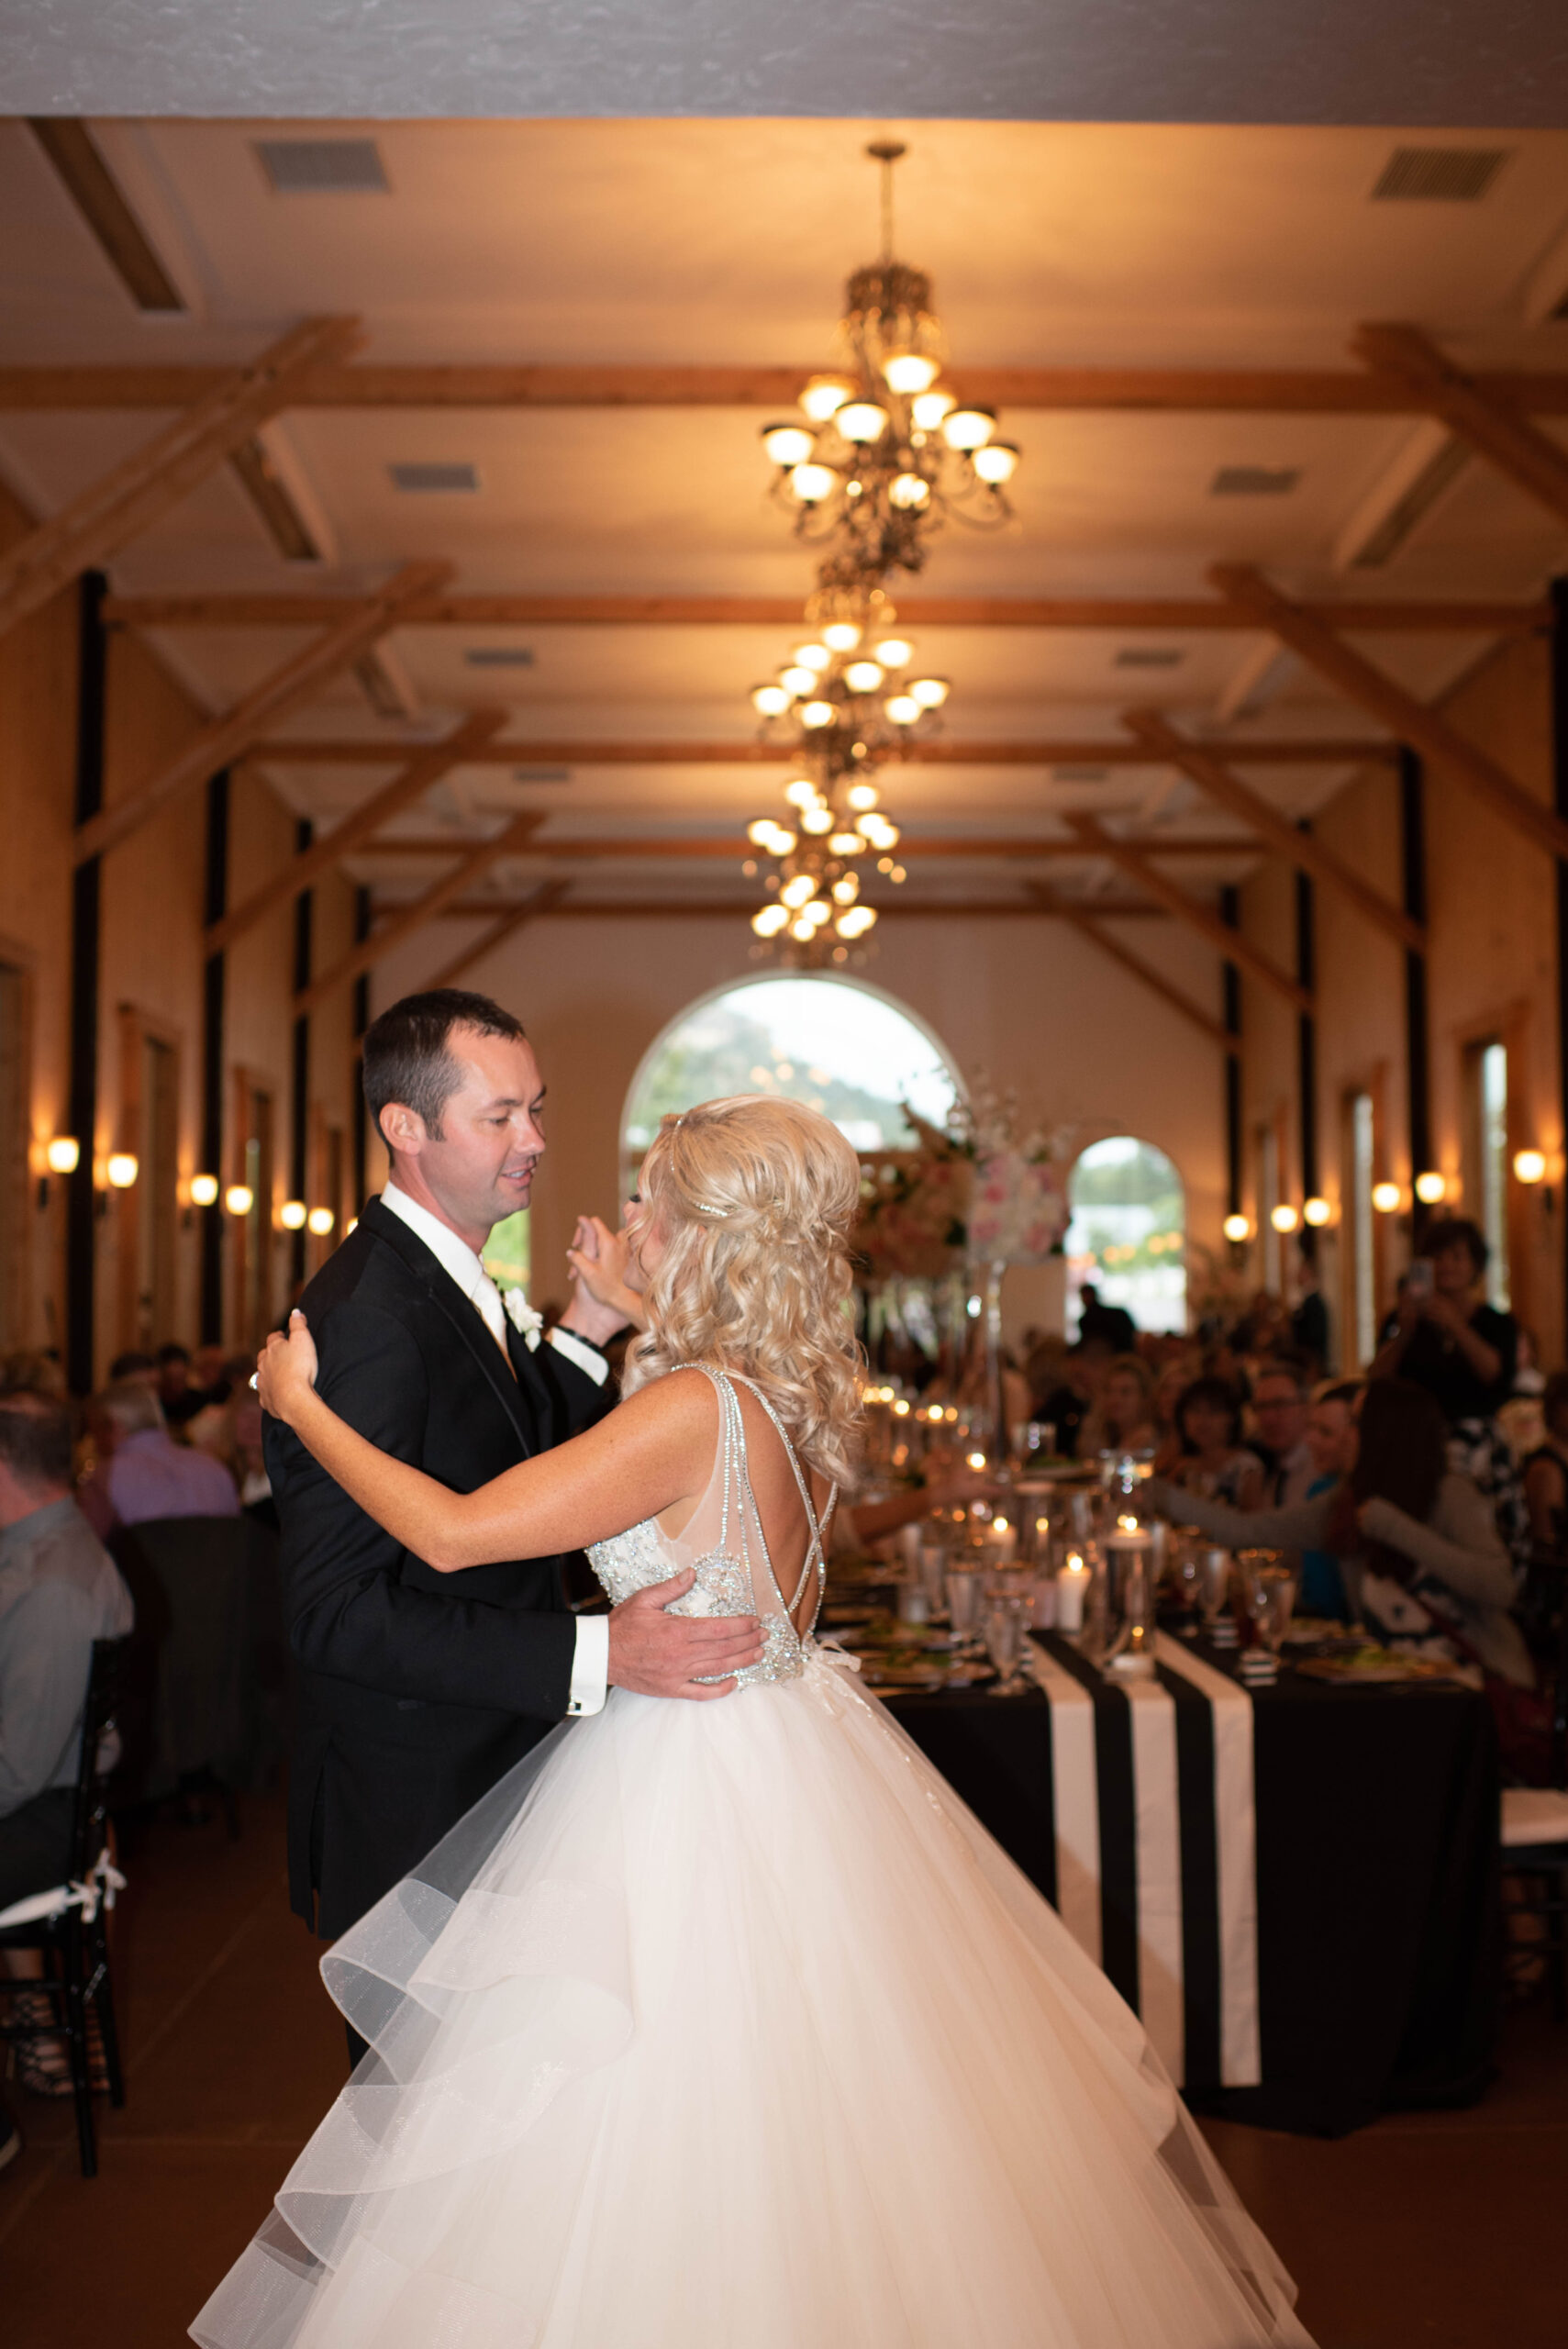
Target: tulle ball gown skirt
x,y
726,2026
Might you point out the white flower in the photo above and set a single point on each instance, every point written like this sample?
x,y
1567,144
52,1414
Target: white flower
x,y
523,1319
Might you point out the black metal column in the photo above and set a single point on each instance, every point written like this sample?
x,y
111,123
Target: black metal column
x,y
364,916
86,917
1418,1040
299,1123
1306,1052
212,978
1559,801
1230,986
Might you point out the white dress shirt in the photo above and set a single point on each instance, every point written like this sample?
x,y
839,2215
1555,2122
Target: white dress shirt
x,y
591,1658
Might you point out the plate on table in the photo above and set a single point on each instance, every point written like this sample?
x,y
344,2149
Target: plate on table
x,y
1369,1667
1322,1634
847,1618
908,1671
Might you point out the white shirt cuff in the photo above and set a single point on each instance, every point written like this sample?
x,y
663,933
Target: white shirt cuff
x,y
590,1665
587,1357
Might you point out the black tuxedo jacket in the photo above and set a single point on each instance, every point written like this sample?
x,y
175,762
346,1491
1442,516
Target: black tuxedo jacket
x,y
418,1691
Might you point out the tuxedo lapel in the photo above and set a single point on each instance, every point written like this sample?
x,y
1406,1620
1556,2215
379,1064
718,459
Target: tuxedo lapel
x,y
535,1367
463,1315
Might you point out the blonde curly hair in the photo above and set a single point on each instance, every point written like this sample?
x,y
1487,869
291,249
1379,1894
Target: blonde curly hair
x,y
753,1198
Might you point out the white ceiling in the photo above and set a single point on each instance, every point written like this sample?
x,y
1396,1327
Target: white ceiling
x,y
642,242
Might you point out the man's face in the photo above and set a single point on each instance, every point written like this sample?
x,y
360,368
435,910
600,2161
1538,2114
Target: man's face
x,y
1331,1439
1281,1413
480,1168
1453,1269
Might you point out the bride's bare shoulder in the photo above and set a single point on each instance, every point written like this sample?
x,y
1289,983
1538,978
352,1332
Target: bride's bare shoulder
x,y
681,1403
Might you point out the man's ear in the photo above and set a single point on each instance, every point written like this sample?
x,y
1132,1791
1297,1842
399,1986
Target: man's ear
x,y
403,1128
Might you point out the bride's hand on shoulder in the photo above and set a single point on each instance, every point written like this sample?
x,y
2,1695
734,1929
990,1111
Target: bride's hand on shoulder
x,y
285,1369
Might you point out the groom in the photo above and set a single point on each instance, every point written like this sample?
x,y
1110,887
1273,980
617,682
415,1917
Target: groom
x,y
418,1691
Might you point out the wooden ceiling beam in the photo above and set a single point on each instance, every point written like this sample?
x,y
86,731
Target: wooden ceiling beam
x,y
1338,391
288,688
606,908
1232,943
1216,782
1090,927
545,900
1161,615
133,493
1119,753
1494,426
735,846
408,785
407,919
1411,720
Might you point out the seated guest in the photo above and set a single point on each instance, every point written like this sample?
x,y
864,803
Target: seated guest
x,y
142,1473
1331,1439
180,1400
1123,1419
1546,1474
1281,1404
1067,1406
59,1593
1424,1566
1211,1458
1447,1338
134,1370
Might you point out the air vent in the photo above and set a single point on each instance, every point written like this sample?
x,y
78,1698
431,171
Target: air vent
x,y
1439,174
435,480
499,656
542,774
1254,481
1079,774
322,166
1148,656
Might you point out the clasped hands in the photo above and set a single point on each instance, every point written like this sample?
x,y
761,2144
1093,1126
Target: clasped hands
x,y
602,1300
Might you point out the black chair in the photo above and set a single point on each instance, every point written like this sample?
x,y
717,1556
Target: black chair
x,y
75,1942
1535,1839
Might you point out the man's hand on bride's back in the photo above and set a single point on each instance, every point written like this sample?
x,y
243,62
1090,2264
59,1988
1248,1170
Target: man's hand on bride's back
x,y
286,1369
659,1655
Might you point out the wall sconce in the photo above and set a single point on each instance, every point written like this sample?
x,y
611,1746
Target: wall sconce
x,y
204,1190
1284,1218
1316,1212
321,1221
1386,1197
1236,1229
1431,1186
291,1215
239,1198
122,1169
1529,1165
63,1155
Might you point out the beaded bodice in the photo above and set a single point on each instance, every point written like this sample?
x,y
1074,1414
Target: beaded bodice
x,y
725,1546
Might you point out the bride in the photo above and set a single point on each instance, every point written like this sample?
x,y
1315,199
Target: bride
x,y
726,2025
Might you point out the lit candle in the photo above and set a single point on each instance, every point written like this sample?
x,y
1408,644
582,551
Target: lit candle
x,y
1001,1537
1071,1590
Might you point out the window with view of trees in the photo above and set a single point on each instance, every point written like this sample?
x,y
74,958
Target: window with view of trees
x,y
1128,1232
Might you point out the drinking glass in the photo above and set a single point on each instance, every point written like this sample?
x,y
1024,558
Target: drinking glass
x,y
1213,1584
1005,1634
1271,1593
964,1600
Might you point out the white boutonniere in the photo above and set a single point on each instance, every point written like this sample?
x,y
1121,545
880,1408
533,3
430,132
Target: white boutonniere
x,y
523,1319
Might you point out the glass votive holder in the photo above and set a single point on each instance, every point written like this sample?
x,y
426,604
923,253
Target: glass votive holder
x,y
964,1590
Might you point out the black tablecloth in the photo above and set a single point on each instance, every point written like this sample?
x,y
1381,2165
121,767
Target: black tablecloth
x,y
1377,1880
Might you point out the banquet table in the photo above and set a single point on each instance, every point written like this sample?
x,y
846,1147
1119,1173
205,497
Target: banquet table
x,y
1296,1885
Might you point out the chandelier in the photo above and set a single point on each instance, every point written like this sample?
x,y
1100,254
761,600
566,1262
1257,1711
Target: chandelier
x,y
888,452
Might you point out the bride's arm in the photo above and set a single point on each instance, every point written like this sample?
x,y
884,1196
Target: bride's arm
x,y
649,1452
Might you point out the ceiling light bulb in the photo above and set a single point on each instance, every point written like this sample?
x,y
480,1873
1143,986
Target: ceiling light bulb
x,y
846,844
239,1198
855,920
824,395
1429,1188
63,1155
1236,1229
842,635
812,484
788,444
862,421
969,427
929,692
894,651
783,840
770,701
897,875
204,1190
902,709
928,409
863,676
1316,1211
909,491
798,679
816,912
1529,1165
846,889
817,713
122,1169
802,792
909,372
1385,1197
768,920
813,656
320,1221
796,890
816,821
864,796
1284,1218
802,930
292,1215
760,831
996,461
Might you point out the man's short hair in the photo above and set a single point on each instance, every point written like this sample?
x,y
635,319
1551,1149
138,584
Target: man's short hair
x,y
1275,1368
127,1365
407,1054
133,1406
172,1352
35,1436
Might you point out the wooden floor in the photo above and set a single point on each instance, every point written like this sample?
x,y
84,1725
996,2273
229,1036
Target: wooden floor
x,y
1443,2230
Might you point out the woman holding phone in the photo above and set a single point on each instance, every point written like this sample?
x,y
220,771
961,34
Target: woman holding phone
x,y
1444,1336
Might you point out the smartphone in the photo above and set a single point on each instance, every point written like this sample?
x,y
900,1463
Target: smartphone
x,y
1419,1279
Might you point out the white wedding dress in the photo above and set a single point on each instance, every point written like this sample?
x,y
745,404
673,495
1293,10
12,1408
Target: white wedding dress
x,y
727,2026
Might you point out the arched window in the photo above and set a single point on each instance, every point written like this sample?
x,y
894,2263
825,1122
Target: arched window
x,y
1128,1235
847,1049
